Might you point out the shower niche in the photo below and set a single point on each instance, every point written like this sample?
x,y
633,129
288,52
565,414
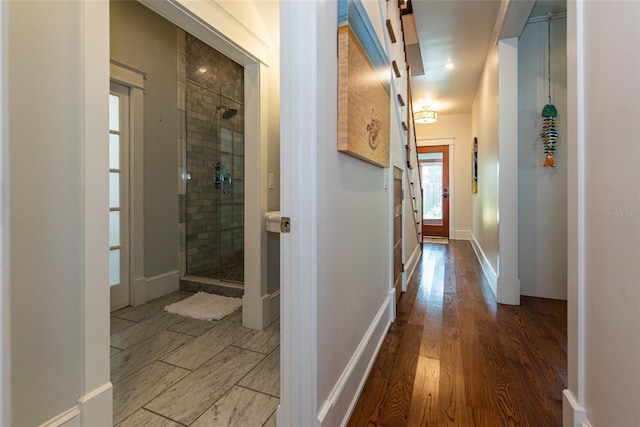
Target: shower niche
x,y
211,165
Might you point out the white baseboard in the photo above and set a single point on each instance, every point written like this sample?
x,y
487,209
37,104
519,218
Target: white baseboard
x,y
271,307
68,418
162,284
461,235
139,294
412,262
96,407
93,409
491,275
337,408
573,414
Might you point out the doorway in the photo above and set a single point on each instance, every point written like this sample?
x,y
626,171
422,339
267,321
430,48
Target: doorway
x,y
434,170
119,196
397,232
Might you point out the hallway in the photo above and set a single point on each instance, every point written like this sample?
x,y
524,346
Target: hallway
x,y
455,357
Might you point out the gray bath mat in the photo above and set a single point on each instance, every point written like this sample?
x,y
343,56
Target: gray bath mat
x,y
205,306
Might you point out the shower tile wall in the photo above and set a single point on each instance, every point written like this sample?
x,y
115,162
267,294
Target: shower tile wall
x,y
213,222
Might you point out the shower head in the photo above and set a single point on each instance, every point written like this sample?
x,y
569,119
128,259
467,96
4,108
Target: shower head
x,y
227,113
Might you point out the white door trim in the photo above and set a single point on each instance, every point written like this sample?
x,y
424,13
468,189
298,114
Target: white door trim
x,y
451,142
134,80
576,203
121,292
95,403
5,331
300,135
237,41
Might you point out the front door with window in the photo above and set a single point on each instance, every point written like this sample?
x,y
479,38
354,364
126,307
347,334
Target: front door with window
x,y
434,170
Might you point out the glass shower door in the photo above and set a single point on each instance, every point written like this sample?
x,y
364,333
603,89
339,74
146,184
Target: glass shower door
x,y
215,184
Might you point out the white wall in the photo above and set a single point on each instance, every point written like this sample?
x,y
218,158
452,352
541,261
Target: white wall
x,y
458,127
269,13
603,316
59,290
542,204
336,280
354,244
484,126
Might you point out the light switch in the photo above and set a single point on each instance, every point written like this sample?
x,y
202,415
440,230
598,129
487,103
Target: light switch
x,y
272,179
386,180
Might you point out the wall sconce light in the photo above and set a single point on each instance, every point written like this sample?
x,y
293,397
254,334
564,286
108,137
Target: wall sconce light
x,y
425,116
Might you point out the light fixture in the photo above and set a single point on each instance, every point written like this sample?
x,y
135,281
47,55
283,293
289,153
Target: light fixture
x,y
449,65
425,116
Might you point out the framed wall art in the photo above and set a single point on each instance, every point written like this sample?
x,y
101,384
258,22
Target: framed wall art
x,y
363,94
474,167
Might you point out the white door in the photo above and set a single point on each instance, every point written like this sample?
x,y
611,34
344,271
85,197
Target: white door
x,y
119,195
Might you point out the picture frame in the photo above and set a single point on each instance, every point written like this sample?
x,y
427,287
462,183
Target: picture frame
x,y
363,92
474,166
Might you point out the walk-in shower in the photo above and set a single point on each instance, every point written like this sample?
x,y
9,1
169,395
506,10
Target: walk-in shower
x,y
213,206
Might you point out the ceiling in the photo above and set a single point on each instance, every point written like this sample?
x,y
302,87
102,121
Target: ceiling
x,y
457,31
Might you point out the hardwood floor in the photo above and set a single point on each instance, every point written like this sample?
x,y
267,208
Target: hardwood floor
x,y
454,357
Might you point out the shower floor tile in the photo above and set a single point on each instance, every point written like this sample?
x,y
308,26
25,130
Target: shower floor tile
x,y
165,358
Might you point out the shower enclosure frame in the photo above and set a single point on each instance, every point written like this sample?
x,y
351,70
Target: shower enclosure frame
x,y
212,155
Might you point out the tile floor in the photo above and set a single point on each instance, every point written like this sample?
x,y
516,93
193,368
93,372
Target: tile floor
x,y
171,371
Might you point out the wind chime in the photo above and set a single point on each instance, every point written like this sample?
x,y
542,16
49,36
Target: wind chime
x,y
549,133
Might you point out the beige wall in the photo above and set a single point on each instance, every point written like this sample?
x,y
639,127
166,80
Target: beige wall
x,y
54,201
457,127
484,126
143,40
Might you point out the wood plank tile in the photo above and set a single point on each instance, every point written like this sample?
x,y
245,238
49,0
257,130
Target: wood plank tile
x,y
144,330
144,418
114,351
264,341
207,345
194,327
138,356
239,408
235,317
133,392
151,308
271,422
265,377
117,324
188,399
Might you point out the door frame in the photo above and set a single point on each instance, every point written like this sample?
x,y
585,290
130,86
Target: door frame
x,y
122,296
452,189
134,80
215,26
444,189
403,280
